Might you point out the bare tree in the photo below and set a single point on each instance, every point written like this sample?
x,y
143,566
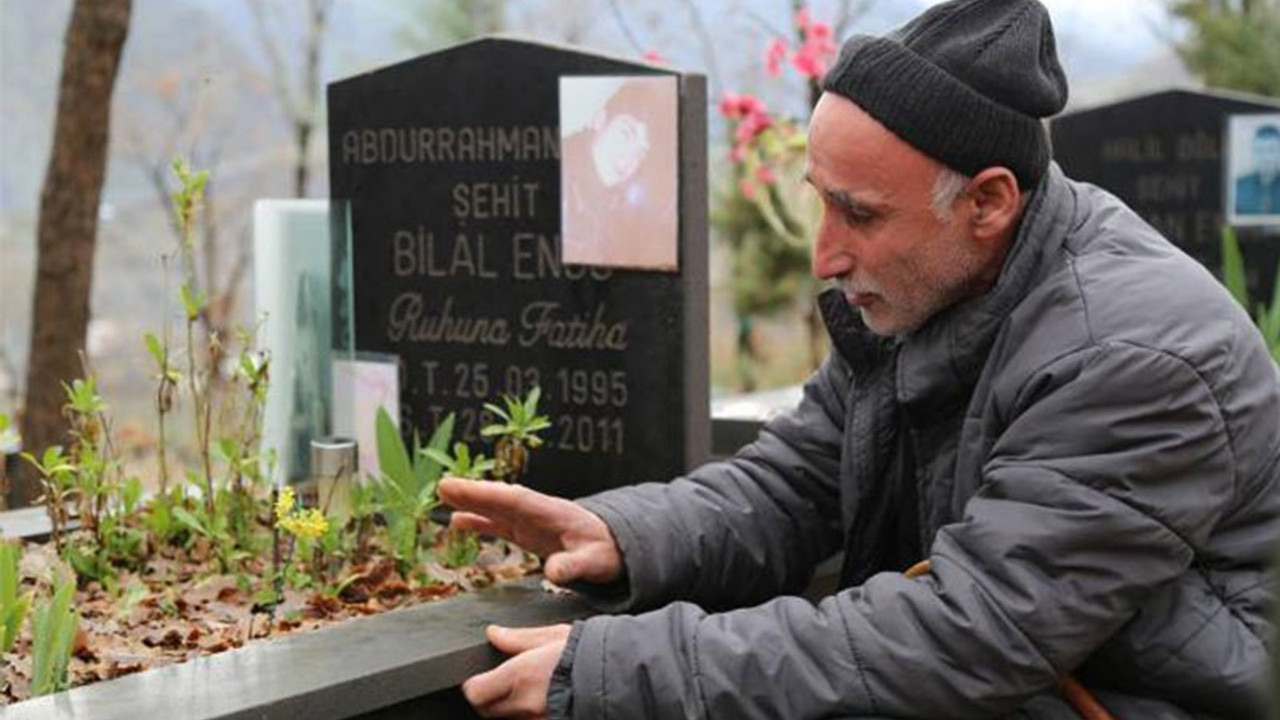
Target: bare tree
x,y
68,222
848,13
193,128
300,98
433,24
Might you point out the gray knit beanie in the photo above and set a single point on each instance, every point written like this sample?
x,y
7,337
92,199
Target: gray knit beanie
x,y
967,83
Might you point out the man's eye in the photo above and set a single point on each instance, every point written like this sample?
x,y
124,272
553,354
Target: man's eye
x,y
857,218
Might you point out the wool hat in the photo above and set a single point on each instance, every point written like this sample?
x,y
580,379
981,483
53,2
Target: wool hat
x,y
967,83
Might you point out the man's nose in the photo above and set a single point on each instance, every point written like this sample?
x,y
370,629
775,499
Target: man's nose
x,y
831,258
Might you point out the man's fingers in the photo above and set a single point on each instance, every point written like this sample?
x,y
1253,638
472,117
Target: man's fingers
x,y
488,689
514,641
562,568
497,501
595,562
461,520
518,687
512,505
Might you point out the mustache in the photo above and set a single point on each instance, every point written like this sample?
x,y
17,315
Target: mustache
x,y
850,285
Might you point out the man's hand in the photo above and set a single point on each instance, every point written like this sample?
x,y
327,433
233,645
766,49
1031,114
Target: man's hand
x,y
518,687
573,541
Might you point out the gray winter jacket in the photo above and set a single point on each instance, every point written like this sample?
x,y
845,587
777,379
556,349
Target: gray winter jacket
x,y
1090,454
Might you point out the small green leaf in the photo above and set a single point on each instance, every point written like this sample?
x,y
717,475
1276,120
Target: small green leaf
x,y
131,493
227,449
192,302
191,521
53,630
462,454
1233,267
392,456
440,457
156,349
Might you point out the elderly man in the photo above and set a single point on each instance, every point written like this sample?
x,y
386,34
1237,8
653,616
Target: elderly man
x,y
1029,386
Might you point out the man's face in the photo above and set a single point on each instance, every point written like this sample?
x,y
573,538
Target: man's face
x,y
880,239
1266,155
619,148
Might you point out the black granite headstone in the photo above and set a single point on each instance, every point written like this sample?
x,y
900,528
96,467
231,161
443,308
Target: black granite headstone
x,y
1162,154
449,168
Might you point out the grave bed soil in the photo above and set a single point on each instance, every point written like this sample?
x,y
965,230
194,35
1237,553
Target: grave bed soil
x,y
174,609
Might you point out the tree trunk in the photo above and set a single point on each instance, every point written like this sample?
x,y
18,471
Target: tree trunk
x,y
69,222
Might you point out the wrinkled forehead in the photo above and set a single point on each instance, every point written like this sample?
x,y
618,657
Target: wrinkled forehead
x,y
851,150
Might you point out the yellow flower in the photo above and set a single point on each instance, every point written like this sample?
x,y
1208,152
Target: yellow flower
x,y
284,504
307,524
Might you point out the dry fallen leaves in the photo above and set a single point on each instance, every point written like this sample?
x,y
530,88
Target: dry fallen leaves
x,y
174,610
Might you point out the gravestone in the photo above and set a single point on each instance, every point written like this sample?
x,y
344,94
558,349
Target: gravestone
x,y
1162,154
448,170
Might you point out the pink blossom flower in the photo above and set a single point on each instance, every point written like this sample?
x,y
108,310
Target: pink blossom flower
x,y
738,154
802,18
818,31
748,188
815,55
773,55
730,106
766,175
653,57
807,63
750,105
751,126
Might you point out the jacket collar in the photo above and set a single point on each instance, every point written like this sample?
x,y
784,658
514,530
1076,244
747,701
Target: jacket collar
x,y
939,363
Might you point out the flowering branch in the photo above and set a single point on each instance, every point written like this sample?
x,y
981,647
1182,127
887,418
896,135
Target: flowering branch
x,y
771,150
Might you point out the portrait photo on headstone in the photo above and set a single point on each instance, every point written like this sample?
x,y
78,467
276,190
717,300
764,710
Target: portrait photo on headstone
x,y
1253,169
619,171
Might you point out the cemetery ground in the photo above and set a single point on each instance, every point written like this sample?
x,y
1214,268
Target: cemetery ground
x,y
125,583
175,609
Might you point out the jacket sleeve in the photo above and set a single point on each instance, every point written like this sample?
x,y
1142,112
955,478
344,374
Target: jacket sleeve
x,y
734,533
1112,468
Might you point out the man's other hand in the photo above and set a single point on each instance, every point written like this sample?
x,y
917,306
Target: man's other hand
x,y
575,543
518,687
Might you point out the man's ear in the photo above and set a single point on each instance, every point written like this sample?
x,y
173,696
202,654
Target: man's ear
x,y
996,203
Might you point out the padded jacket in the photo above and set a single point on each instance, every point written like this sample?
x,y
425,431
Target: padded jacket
x,y
1089,454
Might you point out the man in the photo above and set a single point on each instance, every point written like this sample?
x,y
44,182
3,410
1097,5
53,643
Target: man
x,y
1258,192
1065,414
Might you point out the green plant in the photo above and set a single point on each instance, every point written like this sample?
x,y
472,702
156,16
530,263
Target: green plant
x,y
1266,316
460,549
9,439
215,528
167,377
13,607
159,520
516,435
53,632
461,463
8,433
57,476
405,492
92,454
186,200
306,528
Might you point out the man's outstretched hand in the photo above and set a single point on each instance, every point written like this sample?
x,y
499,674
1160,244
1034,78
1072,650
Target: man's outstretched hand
x,y
518,687
574,543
